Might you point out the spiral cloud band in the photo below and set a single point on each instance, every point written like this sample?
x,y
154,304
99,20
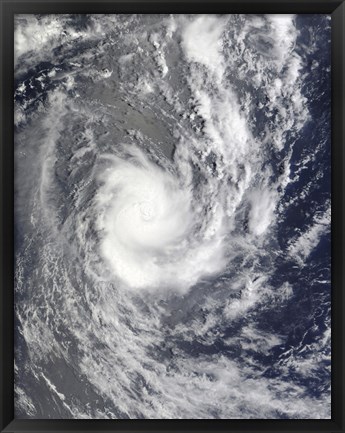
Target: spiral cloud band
x,y
149,226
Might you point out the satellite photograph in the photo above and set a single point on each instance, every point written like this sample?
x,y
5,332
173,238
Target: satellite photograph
x,y
172,216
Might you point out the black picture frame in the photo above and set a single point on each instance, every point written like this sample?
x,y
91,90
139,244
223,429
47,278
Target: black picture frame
x,y
8,8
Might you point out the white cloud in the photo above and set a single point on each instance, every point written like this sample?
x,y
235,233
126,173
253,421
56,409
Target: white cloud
x,y
261,214
201,41
146,221
302,246
35,34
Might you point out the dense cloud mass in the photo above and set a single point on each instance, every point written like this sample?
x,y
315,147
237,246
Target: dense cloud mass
x,y
172,216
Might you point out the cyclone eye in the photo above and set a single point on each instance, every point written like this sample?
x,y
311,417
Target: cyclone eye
x,y
146,211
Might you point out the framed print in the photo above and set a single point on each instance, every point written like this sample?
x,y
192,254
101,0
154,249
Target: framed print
x,y
172,206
